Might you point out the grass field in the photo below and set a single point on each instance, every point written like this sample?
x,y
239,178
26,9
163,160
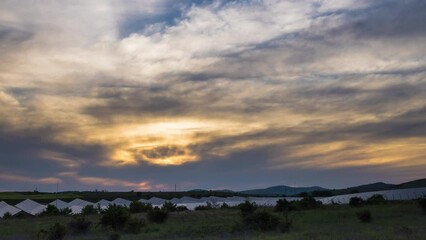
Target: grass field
x,y
403,221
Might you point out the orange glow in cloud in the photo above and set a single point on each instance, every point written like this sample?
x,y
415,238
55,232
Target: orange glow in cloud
x,y
17,178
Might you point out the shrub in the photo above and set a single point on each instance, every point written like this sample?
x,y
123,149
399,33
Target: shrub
x,y
79,225
376,199
115,236
356,202
247,208
169,207
7,215
134,225
208,206
56,232
283,206
285,224
65,211
364,216
89,210
157,215
138,207
225,206
115,216
50,210
262,221
181,209
308,203
422,204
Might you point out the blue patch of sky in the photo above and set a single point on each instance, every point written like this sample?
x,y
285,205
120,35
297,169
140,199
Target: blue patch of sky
x,y
138,23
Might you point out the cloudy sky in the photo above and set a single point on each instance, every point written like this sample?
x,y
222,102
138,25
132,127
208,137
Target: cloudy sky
x,y
214,94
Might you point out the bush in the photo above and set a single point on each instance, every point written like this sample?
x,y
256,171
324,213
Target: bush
x,y
308,203
89,210
79,225
247,208
157,215
65,211
50,210
356,202
115,216
376,199
364,216
169,207
208,206
7,215
285,224
181,209
225,206
262,221
55,232
283,206
115,236
138,207
422,204
134,225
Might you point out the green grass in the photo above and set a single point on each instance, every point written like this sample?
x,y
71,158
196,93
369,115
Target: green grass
x,y
402,221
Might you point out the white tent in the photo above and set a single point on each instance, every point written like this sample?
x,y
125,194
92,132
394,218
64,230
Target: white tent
x,y
121,202
157,201
103,204
59,204
6,208
397,194
79,202
176,200
76,209
143,200
31,207
189,200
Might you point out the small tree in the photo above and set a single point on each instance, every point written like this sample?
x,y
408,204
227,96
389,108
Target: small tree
x,y
134,225
50,211
261,221
115,216
247,208
356,202
89,210
169,207
56,232
283,206
308,203
7,215
158,216
364,216
422,204
80,225
65,211
376,199
138,207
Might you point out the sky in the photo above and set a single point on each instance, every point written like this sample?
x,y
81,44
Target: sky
x,y
212,94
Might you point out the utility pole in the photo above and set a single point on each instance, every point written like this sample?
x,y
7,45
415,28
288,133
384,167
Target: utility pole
x,y
175,187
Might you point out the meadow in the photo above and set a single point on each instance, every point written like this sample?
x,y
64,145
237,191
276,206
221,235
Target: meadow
x,y
391,220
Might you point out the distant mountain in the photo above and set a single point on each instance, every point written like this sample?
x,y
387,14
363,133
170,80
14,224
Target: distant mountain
x,y
198,190
412,184
282,190
372,187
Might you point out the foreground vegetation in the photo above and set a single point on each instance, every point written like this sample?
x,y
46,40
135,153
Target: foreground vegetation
x,y
303,220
